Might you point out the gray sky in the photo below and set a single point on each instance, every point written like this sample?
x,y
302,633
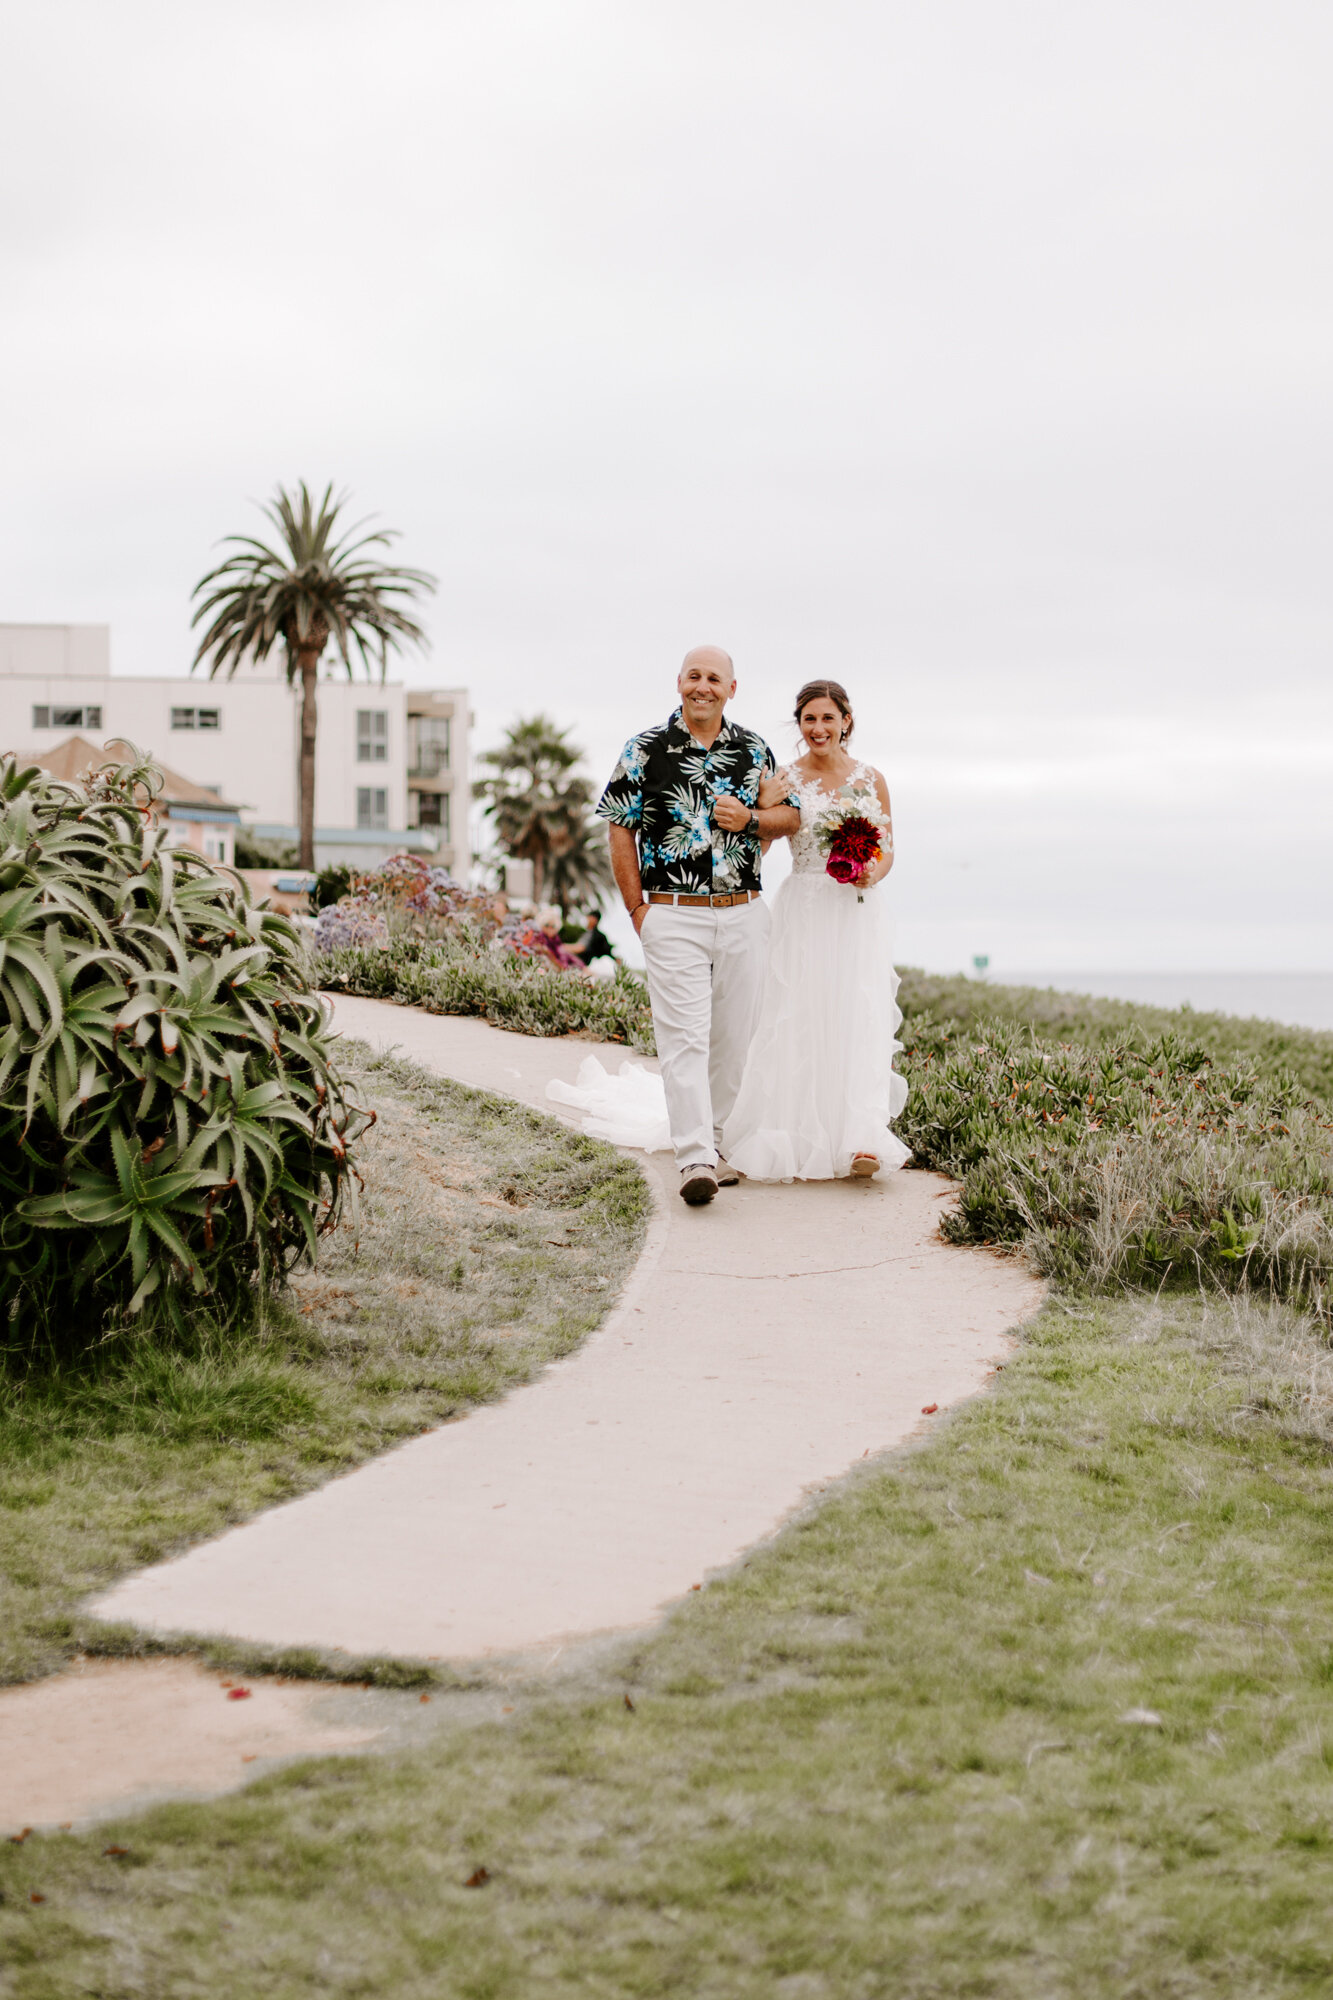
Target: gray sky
x,y
975,352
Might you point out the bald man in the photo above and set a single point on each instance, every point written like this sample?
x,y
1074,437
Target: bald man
x,y
687,837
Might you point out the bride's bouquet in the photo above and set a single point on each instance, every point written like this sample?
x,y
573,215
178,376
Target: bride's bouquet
x,y
850,830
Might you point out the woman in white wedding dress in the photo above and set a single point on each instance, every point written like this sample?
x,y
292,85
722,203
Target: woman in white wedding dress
x,y
819,1088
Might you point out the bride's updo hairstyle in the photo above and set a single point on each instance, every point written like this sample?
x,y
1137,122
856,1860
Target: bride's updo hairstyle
x,y
832,691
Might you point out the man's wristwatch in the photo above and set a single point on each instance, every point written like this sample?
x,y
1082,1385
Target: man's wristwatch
x,y
753,821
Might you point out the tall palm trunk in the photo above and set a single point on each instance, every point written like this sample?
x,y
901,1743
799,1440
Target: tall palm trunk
x,y
307,662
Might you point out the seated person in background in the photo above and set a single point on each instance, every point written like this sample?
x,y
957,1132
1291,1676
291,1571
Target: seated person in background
x,y
594,943
546,925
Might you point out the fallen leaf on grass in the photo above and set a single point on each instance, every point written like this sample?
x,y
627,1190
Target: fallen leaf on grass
x,y
1038,1748
35,1898
115,1850
17,1839
478,1878
929,1409
629,1704
424,1697
238,1694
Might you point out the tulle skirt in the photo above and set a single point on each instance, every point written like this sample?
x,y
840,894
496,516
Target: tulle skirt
x,y
626,1109
819,1083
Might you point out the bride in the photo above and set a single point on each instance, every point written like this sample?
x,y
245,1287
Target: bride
x,y
819,1088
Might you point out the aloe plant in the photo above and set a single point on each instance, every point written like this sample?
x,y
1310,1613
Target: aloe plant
x,y
173,1132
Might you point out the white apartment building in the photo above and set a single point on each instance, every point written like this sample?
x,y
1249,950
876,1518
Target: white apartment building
x,y
391,762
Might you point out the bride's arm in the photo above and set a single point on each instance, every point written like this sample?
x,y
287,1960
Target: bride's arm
x,y
774,787
885,862
774,790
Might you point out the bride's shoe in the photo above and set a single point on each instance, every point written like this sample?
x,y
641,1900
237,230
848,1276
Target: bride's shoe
x,y
864,1165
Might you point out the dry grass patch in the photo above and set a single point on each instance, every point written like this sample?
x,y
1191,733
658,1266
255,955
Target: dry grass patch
x,y
491,1241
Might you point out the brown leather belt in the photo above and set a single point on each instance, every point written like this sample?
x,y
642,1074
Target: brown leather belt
x,y
702,902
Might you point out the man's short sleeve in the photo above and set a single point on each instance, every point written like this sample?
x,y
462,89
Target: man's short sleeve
x,y
622,801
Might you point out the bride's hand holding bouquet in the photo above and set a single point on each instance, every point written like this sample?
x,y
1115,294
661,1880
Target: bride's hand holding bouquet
x,y
853,832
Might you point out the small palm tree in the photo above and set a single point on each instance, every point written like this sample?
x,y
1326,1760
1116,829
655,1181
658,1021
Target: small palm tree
x,y
539,810
316,585
582,873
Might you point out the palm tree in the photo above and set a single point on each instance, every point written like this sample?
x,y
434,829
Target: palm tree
x,y
316,585
539,810
580,875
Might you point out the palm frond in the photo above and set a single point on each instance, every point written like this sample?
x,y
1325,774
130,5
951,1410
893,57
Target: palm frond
x,y
318,582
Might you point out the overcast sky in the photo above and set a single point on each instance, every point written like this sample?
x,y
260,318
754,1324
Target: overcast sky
x,y
975,352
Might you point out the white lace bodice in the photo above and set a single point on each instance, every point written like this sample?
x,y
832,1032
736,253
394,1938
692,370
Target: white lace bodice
x,y
806,858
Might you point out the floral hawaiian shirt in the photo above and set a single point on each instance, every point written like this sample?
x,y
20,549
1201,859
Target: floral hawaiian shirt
x,y
664,787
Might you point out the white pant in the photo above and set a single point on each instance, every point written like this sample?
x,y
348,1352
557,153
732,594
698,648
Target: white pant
x,y
705,980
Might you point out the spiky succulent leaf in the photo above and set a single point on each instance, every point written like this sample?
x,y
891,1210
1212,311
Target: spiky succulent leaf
x,y
171,1122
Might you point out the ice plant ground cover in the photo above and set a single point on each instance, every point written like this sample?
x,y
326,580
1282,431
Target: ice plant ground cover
x,y
452,974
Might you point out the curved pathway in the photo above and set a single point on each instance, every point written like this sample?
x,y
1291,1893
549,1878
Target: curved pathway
x,y
762,1347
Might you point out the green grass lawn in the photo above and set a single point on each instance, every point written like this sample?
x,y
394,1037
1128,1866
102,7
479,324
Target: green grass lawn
x,y
491,1241
1041,1707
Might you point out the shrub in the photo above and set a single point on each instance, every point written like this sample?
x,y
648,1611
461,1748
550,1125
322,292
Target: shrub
x,y
172,1132
457,974
1126,1164
331,884
252,852
1275,1047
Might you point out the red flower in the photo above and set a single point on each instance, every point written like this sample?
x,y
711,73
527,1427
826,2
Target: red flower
x,y
855,845
858,839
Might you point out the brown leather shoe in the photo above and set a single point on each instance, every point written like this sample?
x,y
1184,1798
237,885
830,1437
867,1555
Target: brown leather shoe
x,y
697,1185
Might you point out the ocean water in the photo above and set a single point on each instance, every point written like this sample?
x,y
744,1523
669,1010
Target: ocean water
x,y
1301,999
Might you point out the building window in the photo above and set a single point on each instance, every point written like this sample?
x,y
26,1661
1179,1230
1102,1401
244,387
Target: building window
x,y
432,810
67,718
372,807
215,846
372,736
428,745
196,718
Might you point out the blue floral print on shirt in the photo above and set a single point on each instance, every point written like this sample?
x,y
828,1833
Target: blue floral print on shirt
x,y
664,787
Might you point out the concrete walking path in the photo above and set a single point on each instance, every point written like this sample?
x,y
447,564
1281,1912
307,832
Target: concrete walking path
x,y
764,1345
